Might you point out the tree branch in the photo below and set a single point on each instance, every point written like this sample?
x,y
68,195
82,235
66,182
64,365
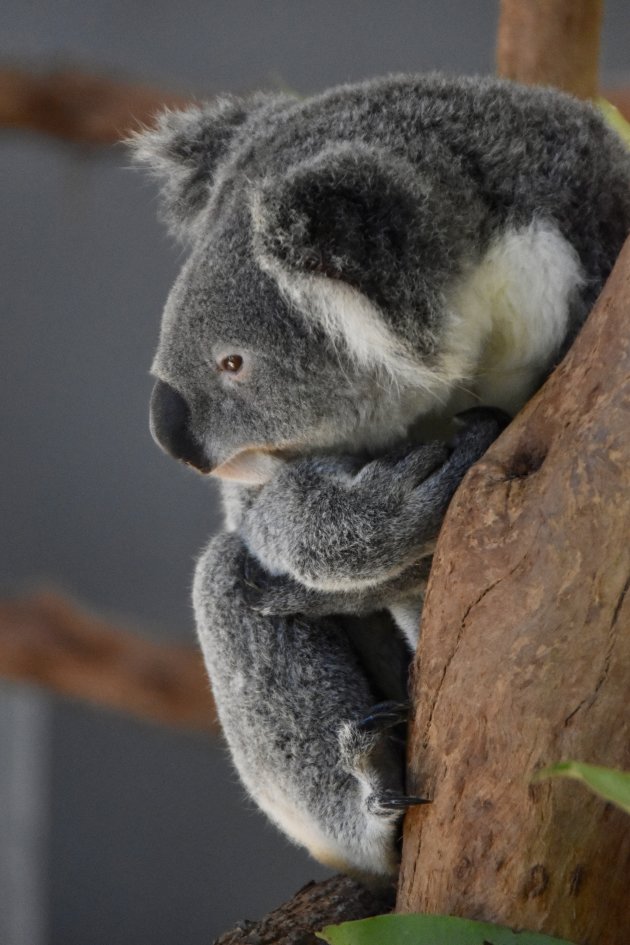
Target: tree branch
x,y
335,900
48,641
551,42
78,107
525,660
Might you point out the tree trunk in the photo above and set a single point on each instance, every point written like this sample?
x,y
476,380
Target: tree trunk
x,y
551,42
525,660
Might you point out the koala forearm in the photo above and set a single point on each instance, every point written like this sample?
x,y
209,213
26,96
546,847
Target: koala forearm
x,y
288,693
338,532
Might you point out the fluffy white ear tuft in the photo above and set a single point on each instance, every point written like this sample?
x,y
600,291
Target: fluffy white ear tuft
x,y
349,318
185,149
331,232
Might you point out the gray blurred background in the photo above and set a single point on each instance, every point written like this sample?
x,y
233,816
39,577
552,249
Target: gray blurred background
x,y
113,831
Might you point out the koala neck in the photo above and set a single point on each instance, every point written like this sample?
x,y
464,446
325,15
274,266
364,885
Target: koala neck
x,y
508,315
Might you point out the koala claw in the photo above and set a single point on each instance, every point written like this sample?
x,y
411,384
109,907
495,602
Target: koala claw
x,y
253,574
383,716
405,465
481,415
384,802
263,592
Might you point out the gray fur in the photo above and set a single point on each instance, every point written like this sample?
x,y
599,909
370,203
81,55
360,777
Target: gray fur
x,y
358,537
289,693
330,243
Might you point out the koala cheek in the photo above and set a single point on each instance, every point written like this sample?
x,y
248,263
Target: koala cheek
x,y
170,427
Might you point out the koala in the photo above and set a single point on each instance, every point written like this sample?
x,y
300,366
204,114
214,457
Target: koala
x,y
363,266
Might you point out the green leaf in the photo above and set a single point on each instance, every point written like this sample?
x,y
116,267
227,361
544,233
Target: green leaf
x,y
610,784
615,119
429,930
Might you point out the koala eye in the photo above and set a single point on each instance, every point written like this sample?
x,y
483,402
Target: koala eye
x,y
232,364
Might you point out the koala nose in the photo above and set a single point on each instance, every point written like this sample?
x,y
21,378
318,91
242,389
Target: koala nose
x,y
170,427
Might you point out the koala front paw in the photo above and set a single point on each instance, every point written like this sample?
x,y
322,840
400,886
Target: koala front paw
x,y
480,426
406,467
338,531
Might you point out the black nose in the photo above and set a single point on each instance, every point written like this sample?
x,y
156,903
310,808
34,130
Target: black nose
x,y
170,426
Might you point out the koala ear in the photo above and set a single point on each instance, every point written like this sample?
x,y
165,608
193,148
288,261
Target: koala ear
x,y
348,214
184,150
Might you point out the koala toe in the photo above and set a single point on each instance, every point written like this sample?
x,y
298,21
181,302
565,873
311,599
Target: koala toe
x,y
384,717
376,767
421,461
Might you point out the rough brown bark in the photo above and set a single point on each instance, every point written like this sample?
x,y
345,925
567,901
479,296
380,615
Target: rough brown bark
x,y
76,106
525,660
48,641
335,900
551,42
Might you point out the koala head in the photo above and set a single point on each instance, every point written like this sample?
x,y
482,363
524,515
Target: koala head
x,y
300,321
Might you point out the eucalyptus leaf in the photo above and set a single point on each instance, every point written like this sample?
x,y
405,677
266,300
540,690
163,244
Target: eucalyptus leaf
x,y
429,930
610,784
614,118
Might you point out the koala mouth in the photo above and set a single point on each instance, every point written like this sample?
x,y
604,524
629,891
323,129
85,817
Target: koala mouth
x,y
253,466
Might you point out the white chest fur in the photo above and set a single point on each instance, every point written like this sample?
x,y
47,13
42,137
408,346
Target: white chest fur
x,y
508,316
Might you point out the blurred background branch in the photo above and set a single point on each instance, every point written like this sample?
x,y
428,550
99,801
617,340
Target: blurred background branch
x,y
49,641
90,109
77,106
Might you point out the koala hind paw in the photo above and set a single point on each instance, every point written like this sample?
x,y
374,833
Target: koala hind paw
x,y
357,747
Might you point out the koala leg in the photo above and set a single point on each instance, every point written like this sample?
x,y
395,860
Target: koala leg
x,y
291,693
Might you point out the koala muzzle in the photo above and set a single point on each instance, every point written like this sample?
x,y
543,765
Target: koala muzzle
x,y
170,427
